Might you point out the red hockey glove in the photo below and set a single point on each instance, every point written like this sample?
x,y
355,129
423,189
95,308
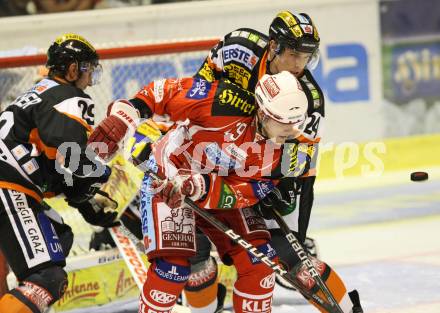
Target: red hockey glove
x,y
122,119
110,132
192,186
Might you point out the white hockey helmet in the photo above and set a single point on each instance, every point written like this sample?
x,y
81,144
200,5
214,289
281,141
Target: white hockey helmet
x,y
282,98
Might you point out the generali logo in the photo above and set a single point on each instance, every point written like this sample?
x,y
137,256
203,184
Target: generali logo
x,y
74,292
124,284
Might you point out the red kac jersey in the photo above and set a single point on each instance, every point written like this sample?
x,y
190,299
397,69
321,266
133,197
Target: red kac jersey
x,y
215,134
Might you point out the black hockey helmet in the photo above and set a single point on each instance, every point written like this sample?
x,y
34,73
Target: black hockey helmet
x,y
295,31
68,49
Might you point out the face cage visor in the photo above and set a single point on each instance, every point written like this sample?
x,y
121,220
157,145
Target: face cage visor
x,y
313,61
95,68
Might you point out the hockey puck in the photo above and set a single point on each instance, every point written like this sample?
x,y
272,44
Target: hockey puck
x,y
419,176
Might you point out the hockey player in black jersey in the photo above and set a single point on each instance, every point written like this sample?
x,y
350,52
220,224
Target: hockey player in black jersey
x,y
43,139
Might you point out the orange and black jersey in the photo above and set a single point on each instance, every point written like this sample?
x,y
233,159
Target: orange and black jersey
x,y
242,57
34,127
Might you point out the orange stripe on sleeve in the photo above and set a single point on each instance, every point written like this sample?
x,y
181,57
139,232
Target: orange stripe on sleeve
x,y
302,138
262,69
34,138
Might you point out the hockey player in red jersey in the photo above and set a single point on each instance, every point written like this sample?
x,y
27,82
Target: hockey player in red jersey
x,y
225,153
36,132
349,302
244,56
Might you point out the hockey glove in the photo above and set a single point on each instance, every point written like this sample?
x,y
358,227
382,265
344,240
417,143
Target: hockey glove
x,y
279,199
97,211
122,119
174,191
85,188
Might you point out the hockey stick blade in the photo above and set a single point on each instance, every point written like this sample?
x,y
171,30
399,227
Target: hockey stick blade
x,y
305,260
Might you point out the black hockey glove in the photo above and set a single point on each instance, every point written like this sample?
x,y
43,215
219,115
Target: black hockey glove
x,y
84,188
97,211
282,199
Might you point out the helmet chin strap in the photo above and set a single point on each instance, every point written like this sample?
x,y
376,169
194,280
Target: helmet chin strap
x,y
269,62
259,126
70,82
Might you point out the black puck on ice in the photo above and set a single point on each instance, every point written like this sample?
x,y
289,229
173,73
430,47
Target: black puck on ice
x,y
419,176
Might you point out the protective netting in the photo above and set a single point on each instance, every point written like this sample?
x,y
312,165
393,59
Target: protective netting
x,y
122,77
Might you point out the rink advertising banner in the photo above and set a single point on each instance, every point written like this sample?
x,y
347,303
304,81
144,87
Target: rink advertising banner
x,y
112,282
98,285
413,71
411,50
411,66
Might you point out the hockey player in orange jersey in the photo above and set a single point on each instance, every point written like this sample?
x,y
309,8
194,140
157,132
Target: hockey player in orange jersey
x,y
55,111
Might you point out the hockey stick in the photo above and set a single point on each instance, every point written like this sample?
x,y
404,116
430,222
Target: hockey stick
x,y
305,260
250,248
135,263
130,255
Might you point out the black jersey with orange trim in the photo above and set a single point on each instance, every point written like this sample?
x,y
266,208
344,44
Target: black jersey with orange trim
x,y
242,57
33,127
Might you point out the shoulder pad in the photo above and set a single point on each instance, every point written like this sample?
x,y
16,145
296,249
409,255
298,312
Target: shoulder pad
x,y
312,88
248,37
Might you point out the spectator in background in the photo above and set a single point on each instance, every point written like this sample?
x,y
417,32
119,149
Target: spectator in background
x,y
13,8
55,6
25,7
